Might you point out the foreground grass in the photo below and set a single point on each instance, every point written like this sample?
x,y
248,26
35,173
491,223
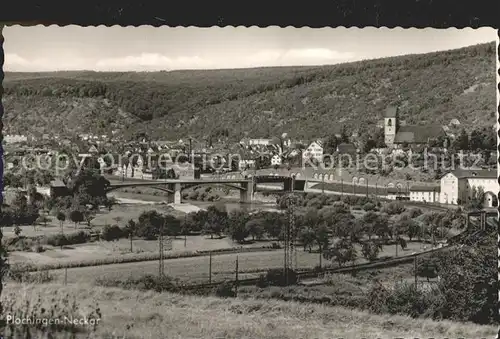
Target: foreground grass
x,y
138,314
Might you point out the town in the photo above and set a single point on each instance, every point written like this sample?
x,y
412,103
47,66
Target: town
x,y
389,215
436,148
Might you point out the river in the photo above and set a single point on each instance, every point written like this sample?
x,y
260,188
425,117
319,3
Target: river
x,y
190,206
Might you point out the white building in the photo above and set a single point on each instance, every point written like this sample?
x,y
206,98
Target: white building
x,y
457,186
425,193
276,160
263,142
314,151
244,163
14,138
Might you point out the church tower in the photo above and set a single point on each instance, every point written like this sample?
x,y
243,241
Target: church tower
x,y
390,125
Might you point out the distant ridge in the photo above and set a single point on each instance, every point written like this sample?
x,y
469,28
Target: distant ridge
x,y
307,101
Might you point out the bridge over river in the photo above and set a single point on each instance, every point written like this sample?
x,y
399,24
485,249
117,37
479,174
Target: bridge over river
x,y
246,186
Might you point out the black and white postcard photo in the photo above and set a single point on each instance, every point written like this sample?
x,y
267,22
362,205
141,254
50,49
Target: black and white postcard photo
x,y
249,183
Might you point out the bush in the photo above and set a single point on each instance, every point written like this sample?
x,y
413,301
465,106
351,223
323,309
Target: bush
x,y
79,237
110,233
393,208
193,195
57,240
20,275
225,290
38,248
276,277
146,282
369,206
275,245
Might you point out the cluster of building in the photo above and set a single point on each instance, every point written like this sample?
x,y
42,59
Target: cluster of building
x,y
455,187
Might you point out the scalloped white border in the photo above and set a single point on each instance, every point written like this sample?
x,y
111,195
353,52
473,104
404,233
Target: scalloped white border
x,y
497,70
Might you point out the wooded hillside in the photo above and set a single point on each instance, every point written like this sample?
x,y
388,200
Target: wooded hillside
x,y
306,102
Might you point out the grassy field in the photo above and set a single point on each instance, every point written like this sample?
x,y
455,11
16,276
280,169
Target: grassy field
x,y
105,249
149,315
196,269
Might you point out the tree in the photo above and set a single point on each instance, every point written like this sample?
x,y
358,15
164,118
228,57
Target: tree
x,y
6,218
344,134
17,231
468,281
476,201
427,269
131,227
90,187
149,225
342,251
307,237
43,220
369,206
216,220
88,215
476,140
237,226
462,141
411,227
371,249
330,144
109,202
61,217
76,216
274,223
172,225
255,228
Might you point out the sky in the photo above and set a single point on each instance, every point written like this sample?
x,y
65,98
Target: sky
x,y
147,48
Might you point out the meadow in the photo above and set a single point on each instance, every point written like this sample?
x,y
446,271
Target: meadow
x,y
148,315
196,269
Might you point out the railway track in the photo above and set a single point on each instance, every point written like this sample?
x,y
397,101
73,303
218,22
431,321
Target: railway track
x,y
310,274
466,237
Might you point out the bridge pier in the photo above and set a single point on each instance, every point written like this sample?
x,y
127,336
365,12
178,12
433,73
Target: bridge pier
x,y
175,197
246,194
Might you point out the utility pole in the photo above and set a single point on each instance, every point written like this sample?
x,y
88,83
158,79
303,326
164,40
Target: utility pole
x,y
210,268
160,246
236,283
396,236
185,230
289,237
341,187
191,149
320,257
130,236
323,183
415,271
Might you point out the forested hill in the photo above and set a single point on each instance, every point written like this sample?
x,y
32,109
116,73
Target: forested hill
x,y
306,102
